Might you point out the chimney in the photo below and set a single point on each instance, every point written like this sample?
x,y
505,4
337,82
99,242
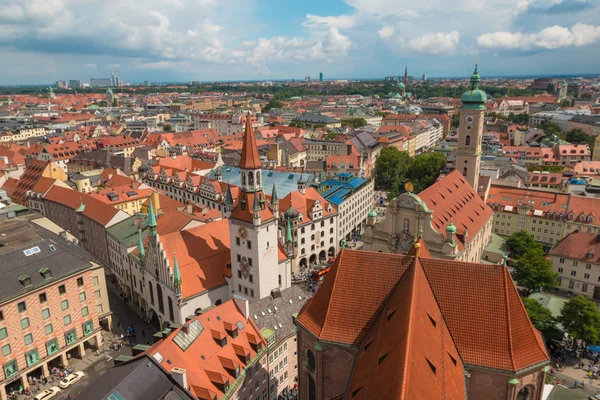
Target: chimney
x,y
180,376
243,305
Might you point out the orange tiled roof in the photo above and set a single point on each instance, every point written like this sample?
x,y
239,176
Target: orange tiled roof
x,y
205,361
94,209
479,303
411,336
579,246
202,254
303,203
452,199
30,177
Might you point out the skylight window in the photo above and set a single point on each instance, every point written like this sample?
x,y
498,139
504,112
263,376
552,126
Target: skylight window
x,y
35,250
28,252
240,325
52,248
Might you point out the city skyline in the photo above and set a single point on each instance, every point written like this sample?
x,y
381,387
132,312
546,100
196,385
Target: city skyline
x,y
184,40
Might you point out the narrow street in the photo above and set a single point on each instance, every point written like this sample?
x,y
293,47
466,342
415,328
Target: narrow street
x,y
124,316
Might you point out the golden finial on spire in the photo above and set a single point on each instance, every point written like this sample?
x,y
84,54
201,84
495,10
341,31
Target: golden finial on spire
x,y
417,249
409,187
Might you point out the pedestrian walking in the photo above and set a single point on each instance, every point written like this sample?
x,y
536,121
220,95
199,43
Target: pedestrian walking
x,y
143,333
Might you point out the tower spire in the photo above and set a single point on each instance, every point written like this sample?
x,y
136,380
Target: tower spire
x,y
274,199
141,253
176,272
250,158
152,219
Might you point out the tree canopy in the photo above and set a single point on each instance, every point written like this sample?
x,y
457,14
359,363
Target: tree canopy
x,y
394,168
354,122
518,243
534,271
297,124
577,136
580,318
272,104
539,315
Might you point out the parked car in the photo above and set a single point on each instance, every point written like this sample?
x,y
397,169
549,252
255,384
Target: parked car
x,y
71,379
47,394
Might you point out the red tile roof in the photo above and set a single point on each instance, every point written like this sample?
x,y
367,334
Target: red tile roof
x,y
303,203
202,254
409,345
579,245
205,361
479,303
30,177
94,209
452,199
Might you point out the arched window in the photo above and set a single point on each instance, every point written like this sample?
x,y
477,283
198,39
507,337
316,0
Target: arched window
x,y
243,179
151,293
310,360
465,171
218,302
161,305
312,388
250,178
258,178
468,140
524,394
171,310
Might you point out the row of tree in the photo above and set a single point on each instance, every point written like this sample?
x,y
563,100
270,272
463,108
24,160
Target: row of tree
x,y
394,168
533,270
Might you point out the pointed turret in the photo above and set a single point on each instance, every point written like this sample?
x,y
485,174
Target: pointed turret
x,y
81,207
228,197
142,252
151,219
250,158
274,199
176,276
256,205
288,232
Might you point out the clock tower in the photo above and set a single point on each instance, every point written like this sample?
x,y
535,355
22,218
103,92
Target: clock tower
x,y
470,131
253,229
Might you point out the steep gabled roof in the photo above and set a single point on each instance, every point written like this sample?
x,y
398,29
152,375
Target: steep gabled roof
x,y
479,303
408,345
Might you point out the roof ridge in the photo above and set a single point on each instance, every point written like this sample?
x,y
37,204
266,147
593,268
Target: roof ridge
x,y
508,325
338,261
413,270
530,324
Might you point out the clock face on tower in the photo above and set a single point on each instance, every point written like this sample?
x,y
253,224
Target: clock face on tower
x,y
469,119
243,233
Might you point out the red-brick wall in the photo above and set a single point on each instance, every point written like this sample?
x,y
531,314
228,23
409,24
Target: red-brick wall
x,y
12,318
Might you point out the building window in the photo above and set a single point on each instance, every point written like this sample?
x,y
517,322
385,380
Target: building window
x,y
586,276
84,311
52,346
22,307
48,329
560,270
95,280
561,260
62,289
42,298
71,337
249,244
10,369
574,263
80,282
237,241
88,328
82,296
573,273
584,287
97,294
67,319
64,304
588,266
99,308
251,278
6,350
25,323
28,339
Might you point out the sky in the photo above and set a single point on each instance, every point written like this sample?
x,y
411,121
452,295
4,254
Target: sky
x,y
42,41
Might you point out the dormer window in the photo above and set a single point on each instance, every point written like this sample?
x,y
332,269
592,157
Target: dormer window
x,y
25,280
582,218
590,254
590,219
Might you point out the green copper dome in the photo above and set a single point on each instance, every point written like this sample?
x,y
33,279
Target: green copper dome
x,y
372,214
474,98
451,228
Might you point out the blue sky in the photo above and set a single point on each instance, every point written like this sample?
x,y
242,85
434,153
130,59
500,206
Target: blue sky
x,y
42,41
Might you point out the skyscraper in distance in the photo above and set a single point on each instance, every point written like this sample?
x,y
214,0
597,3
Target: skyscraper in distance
x,y
405,81
320,77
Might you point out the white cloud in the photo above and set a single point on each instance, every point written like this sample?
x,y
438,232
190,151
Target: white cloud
x,y
113,66
386,32
553,37
91,66
433,43
340,22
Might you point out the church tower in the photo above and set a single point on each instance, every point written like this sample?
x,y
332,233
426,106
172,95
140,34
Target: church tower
x,y
470,131
253,228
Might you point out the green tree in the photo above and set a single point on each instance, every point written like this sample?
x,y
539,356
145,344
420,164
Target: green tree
x,y
354,122
381,114
455,120
550,128
539,315
521,119
518,243
331,135
272,104
577,136
425,169
581,319
565,103
534,271
390,169
297,124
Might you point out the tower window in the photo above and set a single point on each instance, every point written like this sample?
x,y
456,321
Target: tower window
x,y
465,171
468,140
250,178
